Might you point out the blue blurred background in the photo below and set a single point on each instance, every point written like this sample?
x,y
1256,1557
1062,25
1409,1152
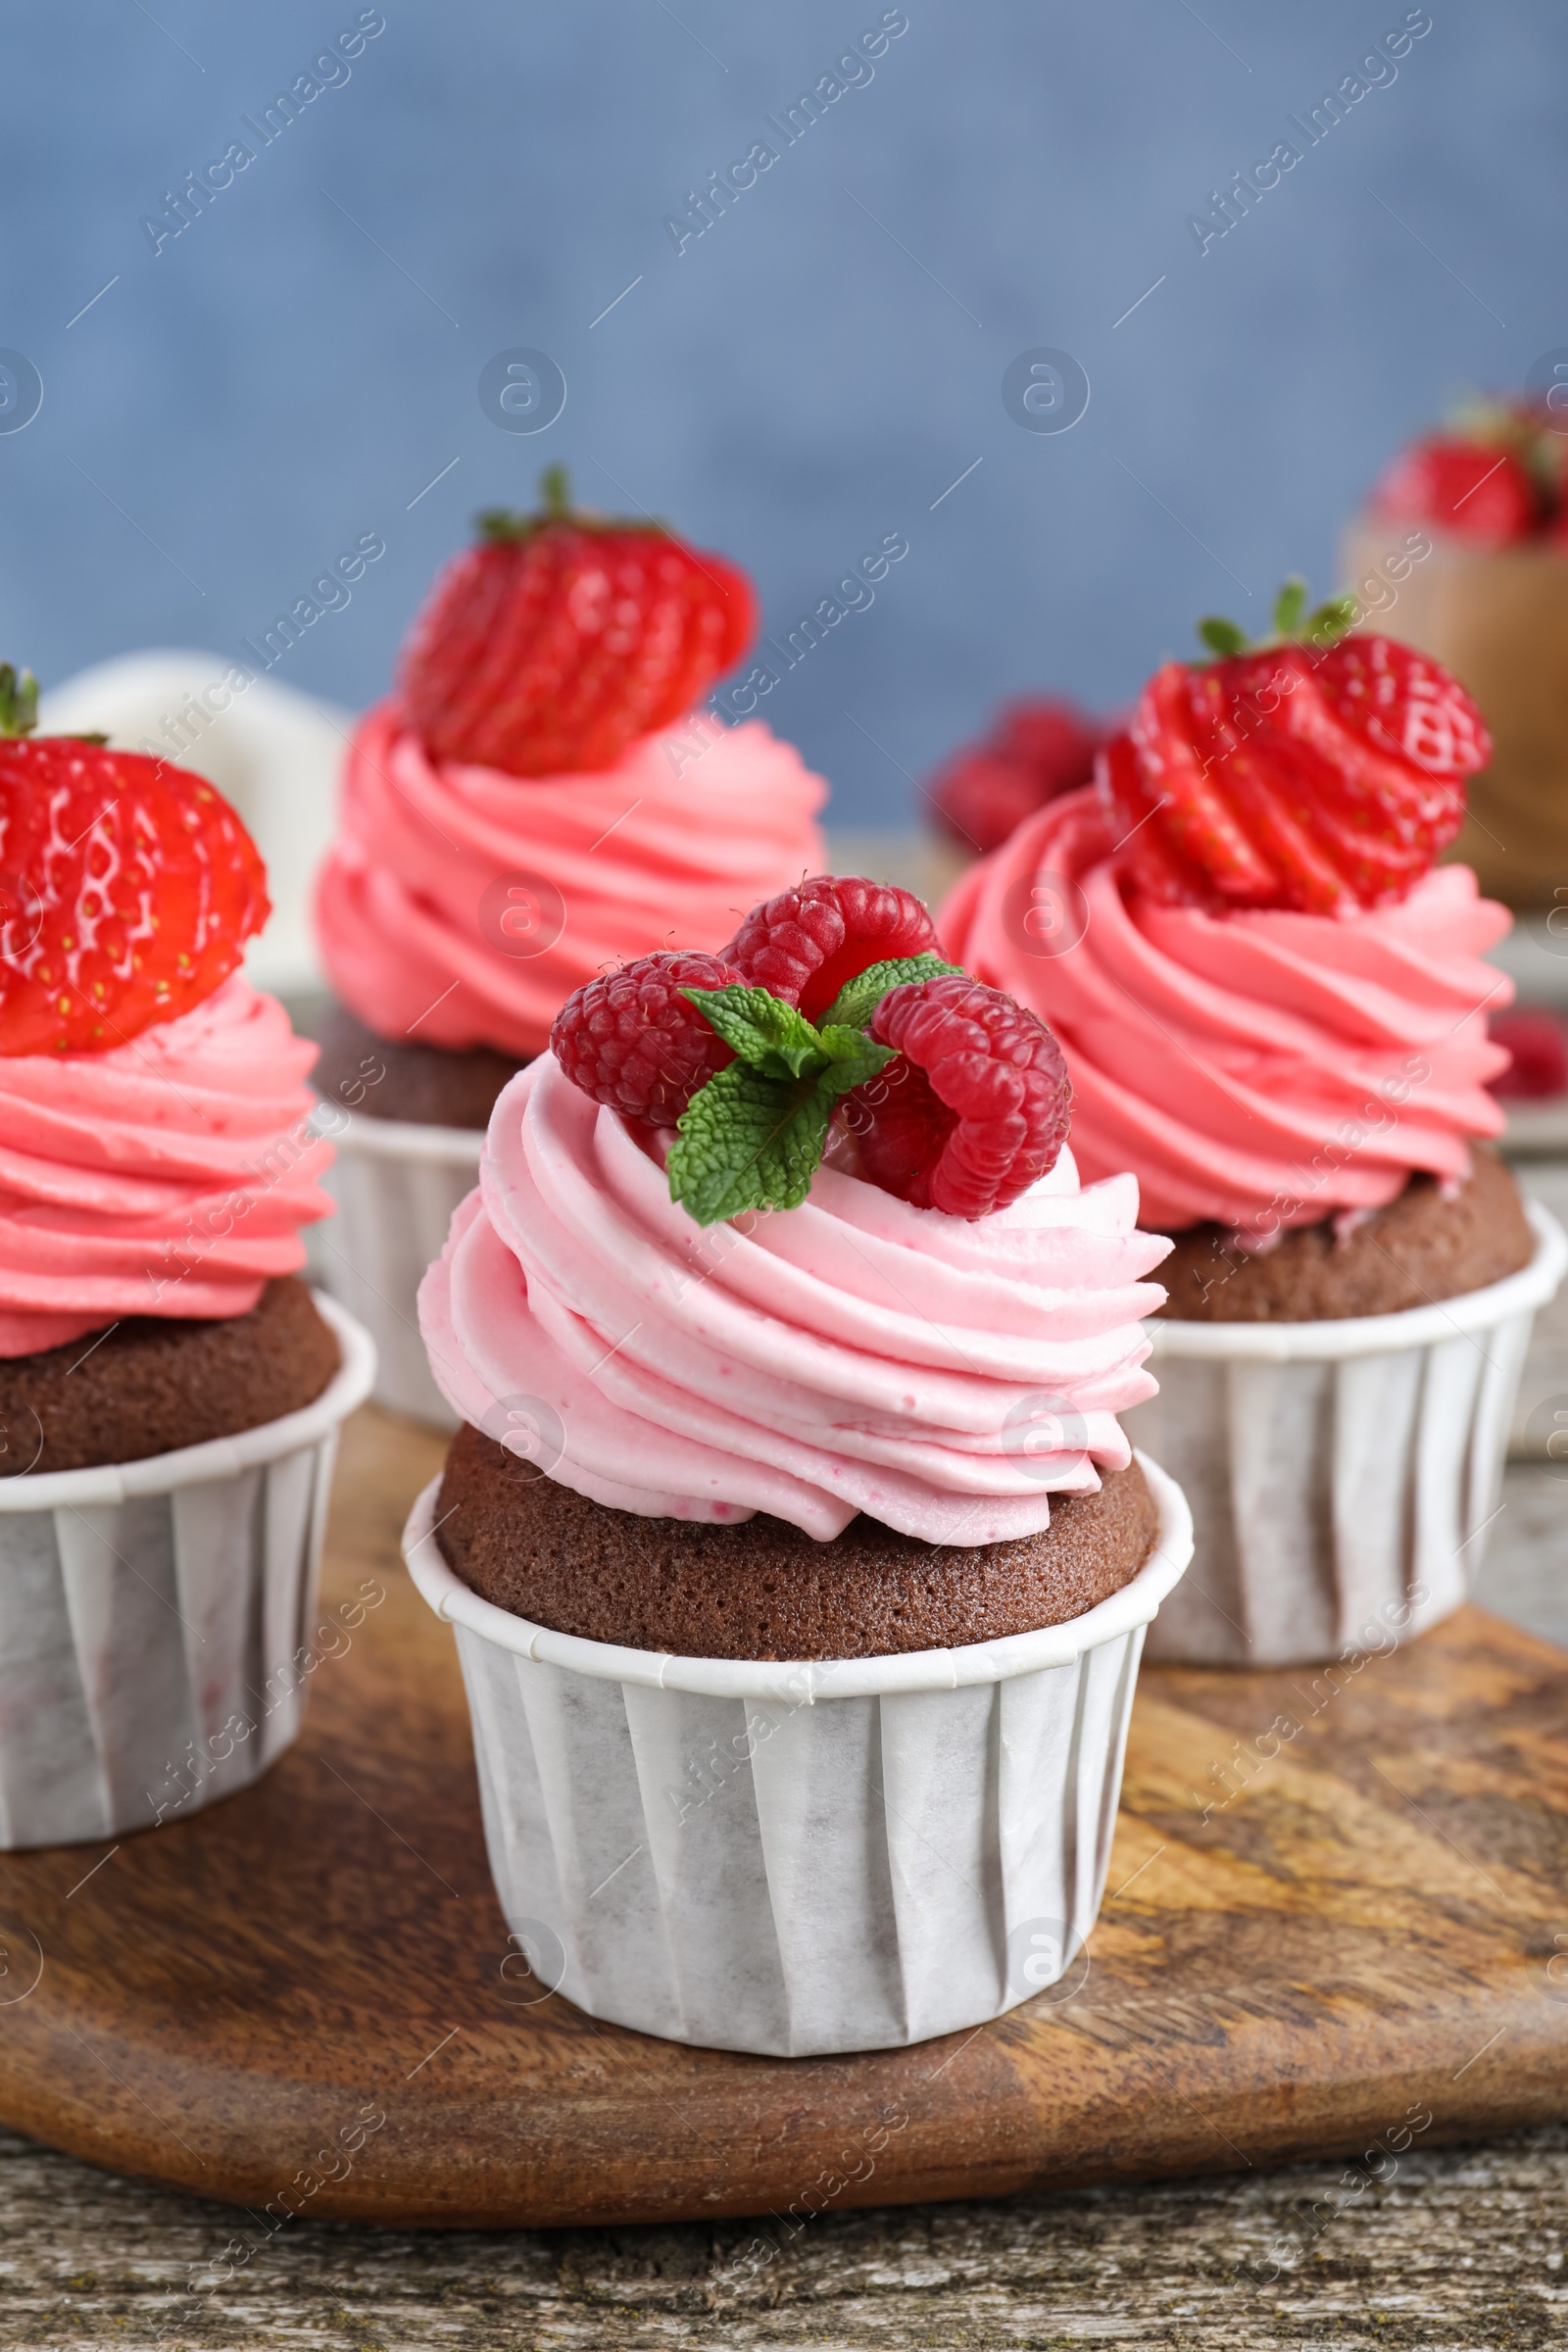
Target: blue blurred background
x,y
300,364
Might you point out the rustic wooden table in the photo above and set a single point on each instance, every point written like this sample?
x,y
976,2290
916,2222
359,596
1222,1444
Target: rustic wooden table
x,y
1461,2249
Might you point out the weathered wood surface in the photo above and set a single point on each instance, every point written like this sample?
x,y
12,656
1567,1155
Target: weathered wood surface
x,y
1459,2251
1340,1938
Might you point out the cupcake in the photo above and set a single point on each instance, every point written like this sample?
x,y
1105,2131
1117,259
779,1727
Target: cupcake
x,y
1462,552
537,802
1273,1007
798,1563
170,1393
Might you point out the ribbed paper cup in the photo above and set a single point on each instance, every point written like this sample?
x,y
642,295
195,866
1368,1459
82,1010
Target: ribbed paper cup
x,y
798,1858
1342,1473
153,1615
396,1182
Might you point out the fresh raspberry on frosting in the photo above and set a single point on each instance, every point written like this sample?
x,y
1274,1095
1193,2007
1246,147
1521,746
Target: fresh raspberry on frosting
x,y
127,887
806,943
957,1095
561,638
975,1106
635,1041
1319,772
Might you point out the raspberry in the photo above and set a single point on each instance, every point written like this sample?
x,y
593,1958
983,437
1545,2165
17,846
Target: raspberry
x,y
127,890
973,1110
632,1041
807,944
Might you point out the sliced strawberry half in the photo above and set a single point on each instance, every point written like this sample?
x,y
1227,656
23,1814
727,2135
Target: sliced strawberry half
x,y
127,887
1320,772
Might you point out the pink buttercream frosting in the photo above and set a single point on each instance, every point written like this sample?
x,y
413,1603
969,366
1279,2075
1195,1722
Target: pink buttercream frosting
x,y
669,848
851,1355
169,1176
1263,1070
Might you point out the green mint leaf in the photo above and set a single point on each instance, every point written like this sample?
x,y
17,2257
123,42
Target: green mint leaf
x,y
760,1028
749,1140
1290,604
855,1002
852,1057
1222,637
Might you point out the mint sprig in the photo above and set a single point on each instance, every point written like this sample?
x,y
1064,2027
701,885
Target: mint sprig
x,y
760,1028
748,1140
754,1136
855,1002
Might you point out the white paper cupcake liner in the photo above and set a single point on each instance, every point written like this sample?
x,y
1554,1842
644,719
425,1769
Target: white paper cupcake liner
x,y
149,1610
795,1858
396,1182
1342,1473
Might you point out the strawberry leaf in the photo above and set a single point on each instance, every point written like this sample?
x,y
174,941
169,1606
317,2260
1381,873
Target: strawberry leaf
x,y
1322,629
18,703
1329,623
1289,605
1222,637
554,492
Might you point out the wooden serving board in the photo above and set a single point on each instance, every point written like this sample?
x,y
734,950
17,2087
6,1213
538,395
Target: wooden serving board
x,y
296,2000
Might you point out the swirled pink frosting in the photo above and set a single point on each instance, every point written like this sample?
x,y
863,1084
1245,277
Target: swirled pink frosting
x,y
170,1176
851,1355
669,848
1263,1070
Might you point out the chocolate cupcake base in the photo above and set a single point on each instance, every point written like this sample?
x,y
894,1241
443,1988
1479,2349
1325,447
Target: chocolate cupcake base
x,y
1423,1247
153,1383
401,1078
795,1858
761,1589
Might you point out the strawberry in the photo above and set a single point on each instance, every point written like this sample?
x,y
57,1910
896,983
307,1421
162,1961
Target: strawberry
x,y
1471,488
127,887
1320,772
1037,749
561,638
